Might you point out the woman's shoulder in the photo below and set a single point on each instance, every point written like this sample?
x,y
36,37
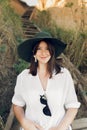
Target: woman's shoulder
x,y
64,70
24,72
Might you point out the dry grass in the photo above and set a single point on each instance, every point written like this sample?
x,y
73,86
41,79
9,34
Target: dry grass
x,y
1,124
10,34
76,41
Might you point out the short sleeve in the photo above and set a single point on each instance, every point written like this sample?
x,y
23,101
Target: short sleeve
x,y
17,98
71,100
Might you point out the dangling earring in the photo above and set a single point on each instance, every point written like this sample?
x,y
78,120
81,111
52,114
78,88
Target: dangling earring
x,y
35,59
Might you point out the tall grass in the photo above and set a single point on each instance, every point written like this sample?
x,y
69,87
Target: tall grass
x,y
76,41
10,18
10,35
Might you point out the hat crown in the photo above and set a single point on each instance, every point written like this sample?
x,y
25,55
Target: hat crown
x,y
25,49
43,35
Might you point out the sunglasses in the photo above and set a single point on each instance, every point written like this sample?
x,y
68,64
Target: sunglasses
x,y
46,109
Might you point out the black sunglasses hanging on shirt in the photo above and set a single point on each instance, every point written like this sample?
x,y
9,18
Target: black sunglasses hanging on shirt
x,y
46,109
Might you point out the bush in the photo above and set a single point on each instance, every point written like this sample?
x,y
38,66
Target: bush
x,y
20,65
10,36
76,41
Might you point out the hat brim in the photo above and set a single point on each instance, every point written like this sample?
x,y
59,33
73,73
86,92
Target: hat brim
x,y
25,49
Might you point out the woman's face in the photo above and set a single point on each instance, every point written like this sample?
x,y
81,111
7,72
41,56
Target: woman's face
x,y
42,53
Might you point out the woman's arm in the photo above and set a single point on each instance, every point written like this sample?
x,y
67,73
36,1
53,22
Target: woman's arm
x,y
67,120
25,123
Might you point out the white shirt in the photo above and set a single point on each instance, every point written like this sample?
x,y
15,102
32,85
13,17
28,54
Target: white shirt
x,y
60,93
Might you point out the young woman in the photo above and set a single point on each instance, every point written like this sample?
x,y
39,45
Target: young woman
x,y
46,89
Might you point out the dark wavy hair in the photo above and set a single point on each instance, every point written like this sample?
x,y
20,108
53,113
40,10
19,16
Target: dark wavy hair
x,y
52,63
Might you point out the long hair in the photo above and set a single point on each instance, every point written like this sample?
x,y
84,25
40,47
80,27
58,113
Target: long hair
x,y
52,63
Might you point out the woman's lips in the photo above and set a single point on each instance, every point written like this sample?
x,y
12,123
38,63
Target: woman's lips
x,y
43,57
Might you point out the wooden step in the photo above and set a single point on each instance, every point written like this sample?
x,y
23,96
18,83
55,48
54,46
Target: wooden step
x,y
28,13
30,30
80,124
29,27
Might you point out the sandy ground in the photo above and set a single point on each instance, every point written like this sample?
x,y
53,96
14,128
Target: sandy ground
x,y
18,7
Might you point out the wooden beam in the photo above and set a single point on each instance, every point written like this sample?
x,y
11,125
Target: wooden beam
x,y
80,124
9,119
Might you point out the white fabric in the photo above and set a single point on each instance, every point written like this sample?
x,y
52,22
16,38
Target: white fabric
x,y
60,93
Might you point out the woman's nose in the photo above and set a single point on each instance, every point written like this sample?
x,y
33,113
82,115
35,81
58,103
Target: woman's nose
x,y
43,51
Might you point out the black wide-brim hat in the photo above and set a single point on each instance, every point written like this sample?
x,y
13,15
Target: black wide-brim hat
x,y
25,49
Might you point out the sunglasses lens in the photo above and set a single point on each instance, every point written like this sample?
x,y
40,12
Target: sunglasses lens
x,y
43,101
46,111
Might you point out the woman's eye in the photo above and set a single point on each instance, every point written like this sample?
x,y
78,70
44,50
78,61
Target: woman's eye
x,y
42,49
38,48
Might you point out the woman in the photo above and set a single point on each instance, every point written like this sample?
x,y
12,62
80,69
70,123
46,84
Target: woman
x,y
46,88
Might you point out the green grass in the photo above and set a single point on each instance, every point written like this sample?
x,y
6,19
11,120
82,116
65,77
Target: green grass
x,y
75,40
20,65
10,35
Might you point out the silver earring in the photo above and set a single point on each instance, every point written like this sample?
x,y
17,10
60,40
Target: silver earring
x,y
35,59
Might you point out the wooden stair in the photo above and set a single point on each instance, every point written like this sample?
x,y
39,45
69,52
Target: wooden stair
x,y
29,28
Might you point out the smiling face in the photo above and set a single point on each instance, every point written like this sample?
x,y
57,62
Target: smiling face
x,y
42,54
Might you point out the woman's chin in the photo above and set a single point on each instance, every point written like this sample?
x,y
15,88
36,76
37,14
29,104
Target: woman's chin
x,y
43,62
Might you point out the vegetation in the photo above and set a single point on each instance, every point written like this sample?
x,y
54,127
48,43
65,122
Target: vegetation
x,y
10,35
76,49
20,65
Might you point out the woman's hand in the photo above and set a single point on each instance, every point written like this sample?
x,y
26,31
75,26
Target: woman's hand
x,y
67,120
28,125
25,123
39,127
53,128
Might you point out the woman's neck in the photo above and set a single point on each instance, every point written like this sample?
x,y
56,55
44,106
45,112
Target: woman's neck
x,y
42,69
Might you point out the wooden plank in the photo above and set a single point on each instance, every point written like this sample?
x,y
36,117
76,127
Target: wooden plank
x,y
15,125
9,120
80,124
